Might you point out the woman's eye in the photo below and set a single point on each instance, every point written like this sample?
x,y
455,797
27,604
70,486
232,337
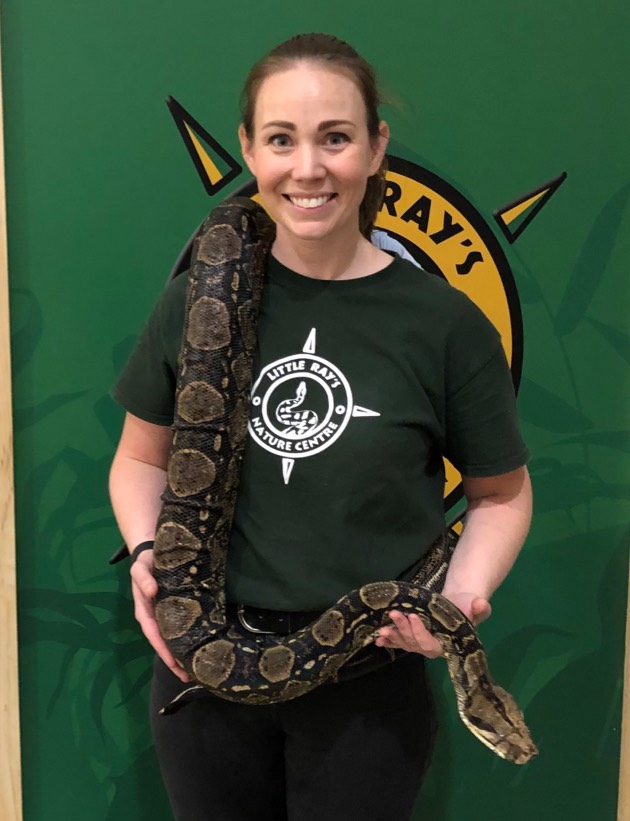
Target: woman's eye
x,y
337,139
280,140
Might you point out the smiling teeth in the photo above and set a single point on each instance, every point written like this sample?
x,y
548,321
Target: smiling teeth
x,y
310,202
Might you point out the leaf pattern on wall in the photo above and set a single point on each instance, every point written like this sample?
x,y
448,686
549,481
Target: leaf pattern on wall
x,y
613,439
529,290
563,486
592,263
618,340
549,411
25,417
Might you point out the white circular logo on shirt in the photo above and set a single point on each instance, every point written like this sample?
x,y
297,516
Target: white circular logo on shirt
x,y
300,405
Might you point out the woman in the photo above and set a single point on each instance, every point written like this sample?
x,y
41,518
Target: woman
x,y
427,377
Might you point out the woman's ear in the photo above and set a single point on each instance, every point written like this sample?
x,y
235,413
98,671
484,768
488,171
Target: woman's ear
x,y
379,147
246,148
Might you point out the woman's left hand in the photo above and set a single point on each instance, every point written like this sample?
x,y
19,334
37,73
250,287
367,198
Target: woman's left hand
x,y
409,633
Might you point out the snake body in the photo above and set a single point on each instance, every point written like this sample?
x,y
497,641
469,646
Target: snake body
x,y
210,428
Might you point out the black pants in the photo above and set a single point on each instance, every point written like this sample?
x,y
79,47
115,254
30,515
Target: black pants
x,y
353,751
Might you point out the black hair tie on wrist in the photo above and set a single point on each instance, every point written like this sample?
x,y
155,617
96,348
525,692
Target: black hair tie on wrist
x,y
119,555
138,549
123,552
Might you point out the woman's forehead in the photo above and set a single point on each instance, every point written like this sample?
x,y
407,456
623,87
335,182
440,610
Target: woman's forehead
x,y
308,92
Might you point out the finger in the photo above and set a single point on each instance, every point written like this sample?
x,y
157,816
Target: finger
x,y
392,637
389,636
418,639
399,630
481,609
428,644
146,619
395,642
410,634
415,635
157,642
390,643
384,637
401,623
144,589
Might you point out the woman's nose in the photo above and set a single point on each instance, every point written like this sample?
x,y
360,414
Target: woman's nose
x,y
308,164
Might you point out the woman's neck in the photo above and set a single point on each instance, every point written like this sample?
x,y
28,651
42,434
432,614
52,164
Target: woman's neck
x,y
327,259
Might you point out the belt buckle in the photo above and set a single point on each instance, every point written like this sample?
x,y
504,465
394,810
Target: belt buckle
x,y
240,612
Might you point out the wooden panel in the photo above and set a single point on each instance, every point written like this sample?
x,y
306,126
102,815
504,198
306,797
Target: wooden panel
x,y
10,774
623,812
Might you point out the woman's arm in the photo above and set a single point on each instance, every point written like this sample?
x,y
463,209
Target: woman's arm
x,y
136,481
497,522
137,478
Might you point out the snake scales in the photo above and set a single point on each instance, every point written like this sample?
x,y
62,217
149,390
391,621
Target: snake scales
x,y
210,429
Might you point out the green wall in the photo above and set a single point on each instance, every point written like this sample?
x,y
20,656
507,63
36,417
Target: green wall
x,y
494,98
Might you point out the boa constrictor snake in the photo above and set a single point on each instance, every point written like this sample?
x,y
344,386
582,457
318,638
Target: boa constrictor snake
x,y
193,532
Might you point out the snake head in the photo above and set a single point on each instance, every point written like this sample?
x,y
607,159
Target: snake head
x,y
494,717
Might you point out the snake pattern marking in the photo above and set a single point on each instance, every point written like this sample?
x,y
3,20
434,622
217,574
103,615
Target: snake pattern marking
x,y
210,428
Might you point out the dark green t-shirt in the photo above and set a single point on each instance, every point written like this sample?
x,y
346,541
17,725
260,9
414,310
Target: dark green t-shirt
x,y
360,387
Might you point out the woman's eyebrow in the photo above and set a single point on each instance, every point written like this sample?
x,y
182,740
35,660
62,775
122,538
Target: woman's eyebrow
x,y
333,124
324,126
280,124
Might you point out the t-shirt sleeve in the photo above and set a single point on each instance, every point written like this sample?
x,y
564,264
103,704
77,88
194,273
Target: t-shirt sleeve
x,y
483,437
146,386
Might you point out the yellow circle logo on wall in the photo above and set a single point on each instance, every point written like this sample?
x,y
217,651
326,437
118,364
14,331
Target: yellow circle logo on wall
x,y
448,237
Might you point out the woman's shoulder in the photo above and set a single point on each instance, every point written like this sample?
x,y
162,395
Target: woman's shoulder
x,y
431,285
444,313
171,303
175,289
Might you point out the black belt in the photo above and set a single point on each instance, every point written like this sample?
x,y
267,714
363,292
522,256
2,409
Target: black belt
x,y
280,622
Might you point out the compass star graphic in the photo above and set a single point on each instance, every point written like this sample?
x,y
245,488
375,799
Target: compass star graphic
x,y
301,404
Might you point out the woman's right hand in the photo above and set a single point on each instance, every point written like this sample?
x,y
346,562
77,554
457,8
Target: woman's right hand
x,y
144,589
136,482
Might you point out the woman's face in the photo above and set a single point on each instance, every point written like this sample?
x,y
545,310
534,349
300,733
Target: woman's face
x,y
311,152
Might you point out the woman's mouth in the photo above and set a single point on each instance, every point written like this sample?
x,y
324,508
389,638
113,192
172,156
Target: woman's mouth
x,y
310,202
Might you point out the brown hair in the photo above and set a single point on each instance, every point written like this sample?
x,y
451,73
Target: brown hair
x,y
340,56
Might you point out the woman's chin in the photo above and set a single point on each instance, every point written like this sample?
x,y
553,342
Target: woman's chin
x,y
305,230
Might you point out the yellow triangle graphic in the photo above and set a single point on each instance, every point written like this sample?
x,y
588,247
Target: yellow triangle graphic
x,y
215,169
525,208
214,175
510,215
